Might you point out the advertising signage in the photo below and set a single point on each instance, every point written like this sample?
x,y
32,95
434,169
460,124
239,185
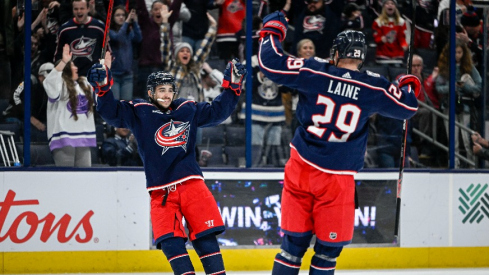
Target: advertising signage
x,y
251,211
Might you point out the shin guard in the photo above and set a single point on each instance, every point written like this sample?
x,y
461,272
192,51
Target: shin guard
x,y
176,253
288,261
324,261
210,254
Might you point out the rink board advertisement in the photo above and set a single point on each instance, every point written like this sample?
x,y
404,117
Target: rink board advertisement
x,y
73,211
251,211
109,210
444,210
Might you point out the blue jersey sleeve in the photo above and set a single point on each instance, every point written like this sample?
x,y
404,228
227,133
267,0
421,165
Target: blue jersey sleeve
x,y
116,113
212,114
277,65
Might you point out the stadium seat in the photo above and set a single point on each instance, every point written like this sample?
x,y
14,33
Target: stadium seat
x,y
235,136
236,155
40,154
13,127
217,159
430,59
213,135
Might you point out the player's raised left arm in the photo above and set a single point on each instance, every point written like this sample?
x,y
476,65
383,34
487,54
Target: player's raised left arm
x,y
274,63
225,103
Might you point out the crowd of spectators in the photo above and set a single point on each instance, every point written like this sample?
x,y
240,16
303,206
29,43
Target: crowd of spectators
x,y
193,39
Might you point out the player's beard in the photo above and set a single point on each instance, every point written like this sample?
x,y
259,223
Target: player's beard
x,y
158,102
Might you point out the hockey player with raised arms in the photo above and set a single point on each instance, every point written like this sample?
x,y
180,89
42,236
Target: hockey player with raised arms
x,y
165,129
328,148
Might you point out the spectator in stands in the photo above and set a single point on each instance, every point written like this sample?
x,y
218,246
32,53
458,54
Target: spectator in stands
x,y
481,146
123,33
6,46
84,35
425,21
211,82
256,25
423,119
96,9
389,32
468,89
149,52
231,14
183,17
194,30
473,36
267,116
70,120
48,41
353,19
444,5
319,22
14,113
121,149
184,65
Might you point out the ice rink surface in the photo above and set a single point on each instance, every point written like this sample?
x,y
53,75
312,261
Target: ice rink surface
x,y
457,271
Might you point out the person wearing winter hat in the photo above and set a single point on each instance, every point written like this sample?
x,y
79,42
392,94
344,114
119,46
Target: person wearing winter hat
x,y
471,22
472,35
183,52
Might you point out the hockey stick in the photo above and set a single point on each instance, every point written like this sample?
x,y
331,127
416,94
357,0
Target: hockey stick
x,y
106,32
404,130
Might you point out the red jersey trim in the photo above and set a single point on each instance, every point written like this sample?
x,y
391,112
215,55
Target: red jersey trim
x,y
185,102
174,182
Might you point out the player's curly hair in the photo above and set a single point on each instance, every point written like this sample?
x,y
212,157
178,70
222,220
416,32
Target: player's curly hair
x,y
67,76
465,62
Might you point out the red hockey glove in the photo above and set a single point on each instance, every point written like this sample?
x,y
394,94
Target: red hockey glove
x,y
274,23
97,76
233,76
411,80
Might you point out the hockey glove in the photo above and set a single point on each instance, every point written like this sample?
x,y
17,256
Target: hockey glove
x,y
97,76
274,23
411,80
233,76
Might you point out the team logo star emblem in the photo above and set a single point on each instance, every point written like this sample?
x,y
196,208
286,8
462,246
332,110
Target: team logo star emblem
x,y
173,134
83,47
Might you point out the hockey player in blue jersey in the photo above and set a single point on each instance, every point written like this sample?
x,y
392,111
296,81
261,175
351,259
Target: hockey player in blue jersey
x,y
165,129
328,148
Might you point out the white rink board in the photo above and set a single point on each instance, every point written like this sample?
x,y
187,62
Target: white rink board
x,y
99,211
431,214
120,205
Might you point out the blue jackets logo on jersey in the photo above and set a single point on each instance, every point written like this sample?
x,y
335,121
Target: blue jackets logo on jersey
x,y
313,23
83,47
173,134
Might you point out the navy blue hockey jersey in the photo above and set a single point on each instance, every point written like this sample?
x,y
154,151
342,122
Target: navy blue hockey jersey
x,y
334,106
166,140
85,41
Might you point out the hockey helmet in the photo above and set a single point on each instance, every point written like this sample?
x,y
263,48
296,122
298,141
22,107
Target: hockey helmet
x,y
349,44
159,78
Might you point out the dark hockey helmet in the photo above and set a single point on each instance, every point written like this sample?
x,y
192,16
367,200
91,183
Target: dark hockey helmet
x,y
349,44
159,78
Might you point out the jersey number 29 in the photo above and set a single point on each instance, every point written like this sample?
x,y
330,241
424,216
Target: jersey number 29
x,y
341,121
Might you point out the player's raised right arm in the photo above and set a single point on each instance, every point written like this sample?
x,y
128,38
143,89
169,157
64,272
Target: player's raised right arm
x,y
274,63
